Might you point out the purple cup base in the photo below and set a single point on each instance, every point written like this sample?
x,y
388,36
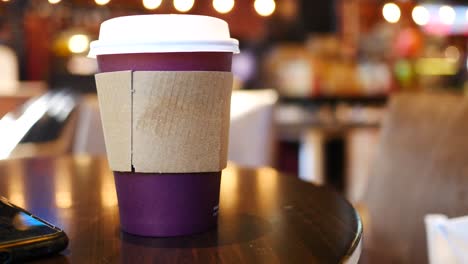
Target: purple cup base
x,y
167,204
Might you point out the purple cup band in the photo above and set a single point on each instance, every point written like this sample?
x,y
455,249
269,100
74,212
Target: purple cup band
x,y
177,61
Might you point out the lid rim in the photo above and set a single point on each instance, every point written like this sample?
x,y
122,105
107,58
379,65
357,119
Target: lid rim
x,y
102,48
102,43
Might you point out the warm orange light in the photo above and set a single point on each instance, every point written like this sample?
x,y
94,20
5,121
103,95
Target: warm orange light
x,y
447,15
391,12
223,6
63,185
265,7
452,52
108,194
78,43
229,187
420,15
183,5
16,184
151,4
102,2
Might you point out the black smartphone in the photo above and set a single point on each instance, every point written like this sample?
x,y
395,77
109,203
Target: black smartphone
x,y
24,236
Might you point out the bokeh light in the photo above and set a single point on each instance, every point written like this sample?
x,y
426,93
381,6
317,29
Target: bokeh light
x,y
54,1
151,4
391,12
452,52
223,6
183,5
78,43
265,7
102,2
421,15
447,15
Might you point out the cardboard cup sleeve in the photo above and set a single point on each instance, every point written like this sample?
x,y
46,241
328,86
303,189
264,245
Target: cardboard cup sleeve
x,y
165,121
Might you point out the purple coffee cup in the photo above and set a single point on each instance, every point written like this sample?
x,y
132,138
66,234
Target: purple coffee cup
x,y
167,204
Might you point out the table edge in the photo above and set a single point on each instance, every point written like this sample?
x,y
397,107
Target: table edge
x,y
356,244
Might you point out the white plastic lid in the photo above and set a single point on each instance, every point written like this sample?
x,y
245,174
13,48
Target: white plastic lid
x,y
163,33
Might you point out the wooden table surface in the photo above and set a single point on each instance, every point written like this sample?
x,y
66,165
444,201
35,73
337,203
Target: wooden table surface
x,y
265,217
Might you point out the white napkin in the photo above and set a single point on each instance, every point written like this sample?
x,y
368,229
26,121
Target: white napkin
x,y
447,239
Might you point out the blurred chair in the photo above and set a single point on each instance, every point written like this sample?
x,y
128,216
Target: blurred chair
x,y
43,126
311,156
251,135
421,167
361,145
8,69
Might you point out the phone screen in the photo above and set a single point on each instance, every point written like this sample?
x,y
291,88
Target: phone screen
x,y
16,224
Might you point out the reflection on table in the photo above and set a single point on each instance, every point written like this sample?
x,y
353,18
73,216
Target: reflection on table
x,y
265,217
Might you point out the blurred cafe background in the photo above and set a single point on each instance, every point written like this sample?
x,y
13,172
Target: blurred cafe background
x,y
312,80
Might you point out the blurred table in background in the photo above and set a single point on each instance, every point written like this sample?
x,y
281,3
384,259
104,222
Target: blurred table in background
x,y
265,217
294,116
329,140
14,97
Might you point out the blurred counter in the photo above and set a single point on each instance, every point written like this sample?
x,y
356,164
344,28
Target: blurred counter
x,y
295,116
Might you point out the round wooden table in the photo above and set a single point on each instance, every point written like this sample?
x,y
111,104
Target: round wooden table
x,y
265,217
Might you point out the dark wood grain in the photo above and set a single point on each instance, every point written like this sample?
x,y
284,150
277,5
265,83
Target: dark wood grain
x,y
265,217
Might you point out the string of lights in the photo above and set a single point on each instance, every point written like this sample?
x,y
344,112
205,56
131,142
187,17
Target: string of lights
x,y
425,14
262,7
